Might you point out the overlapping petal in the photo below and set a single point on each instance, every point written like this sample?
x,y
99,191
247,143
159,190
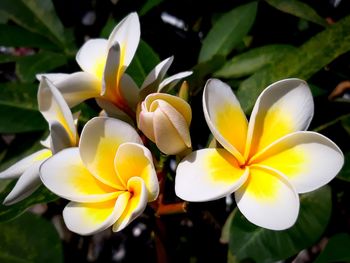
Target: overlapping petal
x,y
208,174
283,107
98,146
155,77
26,185
267,199
54,108
225,117
15,170
65,175
171,131
90,218
133,160
308,159
92,56
127,35
76,87
136,203
170,82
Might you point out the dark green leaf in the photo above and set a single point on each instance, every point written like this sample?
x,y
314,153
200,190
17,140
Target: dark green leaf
x,y
344,173
41,195
228,31
253,60
149,5
303,63
225,231
336,250
144,61
299,9
36,16
27,67
29,239
108,28
15,36
201,72
18,108
248,241
8,58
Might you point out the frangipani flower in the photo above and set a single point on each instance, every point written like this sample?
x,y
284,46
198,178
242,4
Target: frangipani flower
x,y
266,162
109,178
103,63
155,82
62,135
165,120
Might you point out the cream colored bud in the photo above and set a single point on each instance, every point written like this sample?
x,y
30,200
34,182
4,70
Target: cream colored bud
x,y
165,120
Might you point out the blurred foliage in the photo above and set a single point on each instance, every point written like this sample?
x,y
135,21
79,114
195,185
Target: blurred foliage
x,y
248,44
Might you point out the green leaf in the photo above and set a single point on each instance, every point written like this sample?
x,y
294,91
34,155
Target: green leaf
x,y
37,16
225,232
336,250
248,241
149,5
144,61
8,58
344,173
27,67
18,108
253,60
228,31
15,36
108,28
30,239
41,195
202,71
298,9
312,56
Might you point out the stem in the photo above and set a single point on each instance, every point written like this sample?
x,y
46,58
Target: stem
x,y
328,124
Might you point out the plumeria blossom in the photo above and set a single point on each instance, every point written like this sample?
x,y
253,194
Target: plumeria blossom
x,y
109,178
155,81
62,135
103,77
165,120
266,162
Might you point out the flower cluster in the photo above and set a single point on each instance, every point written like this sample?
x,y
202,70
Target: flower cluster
x,y
109,175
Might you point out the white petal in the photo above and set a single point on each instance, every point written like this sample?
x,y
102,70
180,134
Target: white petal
x,y
90,218
136,204
18,168
154,78
225,117
145,123
268,200
127,34
65,175
91,57
208,174
46,142
25,186
53,77
78,87
98,146
112,74
308,159
59,139
283,107
135,160
54,108
171,131
129,91
168,83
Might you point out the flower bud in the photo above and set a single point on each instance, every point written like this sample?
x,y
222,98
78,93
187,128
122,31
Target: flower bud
x,y
165,120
